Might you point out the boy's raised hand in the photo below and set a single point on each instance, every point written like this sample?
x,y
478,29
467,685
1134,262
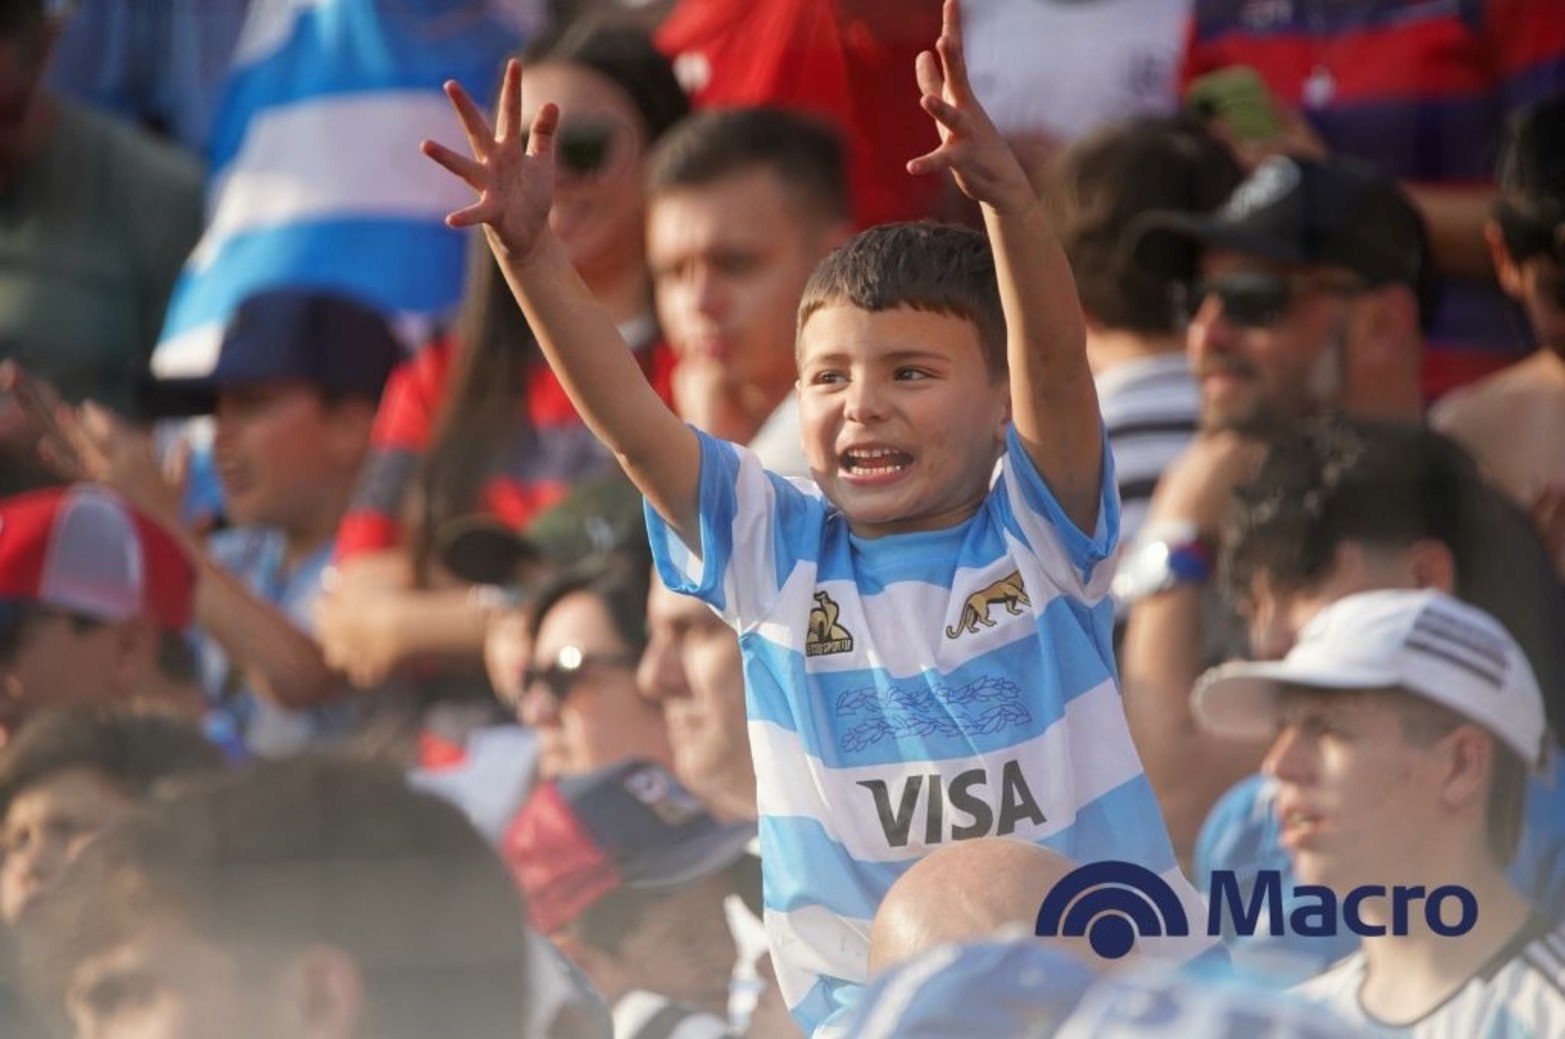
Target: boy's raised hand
x,y
515,185
979,158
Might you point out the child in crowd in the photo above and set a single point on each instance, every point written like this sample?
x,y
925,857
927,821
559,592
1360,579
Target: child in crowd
x,y
926,636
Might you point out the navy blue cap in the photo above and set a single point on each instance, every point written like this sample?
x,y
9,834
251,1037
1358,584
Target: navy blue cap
x,y
331,341
653,828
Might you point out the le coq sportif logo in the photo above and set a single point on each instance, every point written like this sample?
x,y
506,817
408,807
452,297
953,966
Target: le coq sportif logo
x,y
1112,904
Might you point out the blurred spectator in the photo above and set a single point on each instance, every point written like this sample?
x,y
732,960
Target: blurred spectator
x,y
72,772
479,423
1135,336
844,62
1313,280
313,167
1343,507
309,897
1049,73
294,394
159,63
587,635
965,892
743,204
93,597
1420,91
1431,705
627,874
1514,422
693,671
97,218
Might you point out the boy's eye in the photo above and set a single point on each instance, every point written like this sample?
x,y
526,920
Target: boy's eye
x,y
912,373
827,378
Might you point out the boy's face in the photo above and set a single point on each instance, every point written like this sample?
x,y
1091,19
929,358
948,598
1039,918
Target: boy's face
x,y
902,422
729,261
46,825
1331,748
279,453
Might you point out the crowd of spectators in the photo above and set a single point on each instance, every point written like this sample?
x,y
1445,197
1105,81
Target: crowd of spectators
x,y
825,488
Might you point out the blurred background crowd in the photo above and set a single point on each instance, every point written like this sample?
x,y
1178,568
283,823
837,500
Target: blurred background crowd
x,y
337,693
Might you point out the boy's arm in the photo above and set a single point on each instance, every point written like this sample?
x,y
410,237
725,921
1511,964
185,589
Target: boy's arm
x,y
1054,404
657,451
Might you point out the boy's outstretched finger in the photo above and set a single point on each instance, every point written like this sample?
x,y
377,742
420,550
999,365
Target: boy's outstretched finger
x,y
474,124
472,216
948,115
470,170
927,70
509,116
949,45
540,138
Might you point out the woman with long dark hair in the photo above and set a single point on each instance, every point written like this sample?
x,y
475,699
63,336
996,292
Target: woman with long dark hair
x,y
477,422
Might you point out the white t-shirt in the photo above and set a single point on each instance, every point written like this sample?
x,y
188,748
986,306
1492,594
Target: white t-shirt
x,y
1065,67
1518,994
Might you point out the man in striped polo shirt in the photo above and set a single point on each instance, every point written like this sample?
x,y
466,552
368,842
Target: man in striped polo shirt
x,y
1404,724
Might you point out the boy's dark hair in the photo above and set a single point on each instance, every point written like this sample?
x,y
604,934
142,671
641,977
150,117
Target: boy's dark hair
x,y
134,752
1100,184
285,855
1389,485
939,268
1531,175
805,154
1340,480
19,16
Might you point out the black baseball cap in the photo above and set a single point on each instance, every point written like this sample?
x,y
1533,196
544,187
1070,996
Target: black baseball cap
x,y
1335,212
342,345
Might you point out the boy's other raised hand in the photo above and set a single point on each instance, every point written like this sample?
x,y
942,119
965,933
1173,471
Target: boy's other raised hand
x,y
515,183
971,147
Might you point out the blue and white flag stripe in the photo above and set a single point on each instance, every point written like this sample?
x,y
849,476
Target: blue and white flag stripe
x,y
316,177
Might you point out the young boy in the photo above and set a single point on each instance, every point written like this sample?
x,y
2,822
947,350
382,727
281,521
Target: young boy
x,y
926,647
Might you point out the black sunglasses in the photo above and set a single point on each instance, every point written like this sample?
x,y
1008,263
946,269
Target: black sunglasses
x,y
1256,299
584,147
561,676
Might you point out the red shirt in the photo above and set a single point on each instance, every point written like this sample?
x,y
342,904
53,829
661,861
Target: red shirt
x,y
553,452
850,64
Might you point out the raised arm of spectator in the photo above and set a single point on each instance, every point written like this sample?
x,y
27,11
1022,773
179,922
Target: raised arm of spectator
x,y
515,185
1054,404
1165,638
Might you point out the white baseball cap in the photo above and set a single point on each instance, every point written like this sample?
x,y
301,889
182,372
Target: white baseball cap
x,y
1424,642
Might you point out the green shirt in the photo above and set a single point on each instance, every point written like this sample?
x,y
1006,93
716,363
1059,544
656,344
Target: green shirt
x,y
92,236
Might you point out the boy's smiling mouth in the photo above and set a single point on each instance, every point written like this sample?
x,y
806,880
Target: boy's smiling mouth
x,y
873,463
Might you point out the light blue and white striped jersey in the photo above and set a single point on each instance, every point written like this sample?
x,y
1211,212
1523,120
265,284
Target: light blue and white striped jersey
x,y
315,175
908,691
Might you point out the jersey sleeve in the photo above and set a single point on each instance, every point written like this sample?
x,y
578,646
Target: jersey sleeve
x,y
755,527
1071,557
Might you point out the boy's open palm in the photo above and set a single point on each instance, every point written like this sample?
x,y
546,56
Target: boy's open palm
x,y
515,184
971,147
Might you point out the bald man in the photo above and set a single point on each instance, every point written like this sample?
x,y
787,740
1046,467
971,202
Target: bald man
x,y
965,891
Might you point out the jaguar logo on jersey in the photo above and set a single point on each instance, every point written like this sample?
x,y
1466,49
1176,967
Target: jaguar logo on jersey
x,y
1008,591
823,634
980,804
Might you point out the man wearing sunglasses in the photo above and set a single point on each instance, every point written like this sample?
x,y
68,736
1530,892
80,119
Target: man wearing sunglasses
x,y
1312,294
1514,421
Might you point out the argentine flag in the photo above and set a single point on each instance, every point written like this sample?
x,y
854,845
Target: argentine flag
x,y
316,178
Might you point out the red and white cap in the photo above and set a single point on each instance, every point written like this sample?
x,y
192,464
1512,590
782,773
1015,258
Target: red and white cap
x,y
83,549
1423,642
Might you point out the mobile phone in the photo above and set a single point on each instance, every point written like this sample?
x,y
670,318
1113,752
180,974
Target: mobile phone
x,y
1238,98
